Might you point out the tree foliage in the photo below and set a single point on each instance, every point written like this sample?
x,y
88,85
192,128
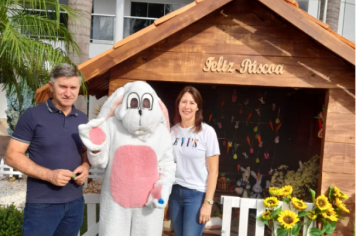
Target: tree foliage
x,y
33,38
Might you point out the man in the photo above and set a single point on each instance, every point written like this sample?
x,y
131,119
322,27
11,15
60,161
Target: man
x,y
57,165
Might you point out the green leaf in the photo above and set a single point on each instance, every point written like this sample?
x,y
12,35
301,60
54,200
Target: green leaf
x,y
331,191
276,212
296,229
341,217
281,231
329,228
259,218
266,222
316,232
303,213
312,192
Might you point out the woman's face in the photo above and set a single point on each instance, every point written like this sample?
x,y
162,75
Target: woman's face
x,y
187,107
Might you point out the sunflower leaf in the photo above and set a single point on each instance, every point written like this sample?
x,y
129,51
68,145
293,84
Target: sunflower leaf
x,y
296,229
329,228
303,213
331,191
276,212
341,217
312,192
281,231
266,222
316,232
259,218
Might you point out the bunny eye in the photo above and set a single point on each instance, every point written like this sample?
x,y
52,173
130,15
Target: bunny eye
x,y
133,100
147,101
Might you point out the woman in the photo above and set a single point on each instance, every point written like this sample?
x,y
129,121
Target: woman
x,y
196,152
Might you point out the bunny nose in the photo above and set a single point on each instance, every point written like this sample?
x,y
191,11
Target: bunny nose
x,y
140,112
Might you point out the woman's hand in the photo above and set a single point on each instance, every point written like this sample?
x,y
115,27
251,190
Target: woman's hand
x,y
205,212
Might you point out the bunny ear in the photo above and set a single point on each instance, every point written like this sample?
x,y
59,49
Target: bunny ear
x,y
165,114
254,174
260,179
108,109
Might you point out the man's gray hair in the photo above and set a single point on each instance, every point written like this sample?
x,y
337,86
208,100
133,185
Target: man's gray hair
x,y
65,70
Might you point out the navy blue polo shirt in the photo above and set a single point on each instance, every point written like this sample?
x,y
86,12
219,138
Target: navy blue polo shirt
x,y
55,144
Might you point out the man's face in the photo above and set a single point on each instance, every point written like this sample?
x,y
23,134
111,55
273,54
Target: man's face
x,y
65,91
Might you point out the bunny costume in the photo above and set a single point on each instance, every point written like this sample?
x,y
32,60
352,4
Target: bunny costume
x,y
134,144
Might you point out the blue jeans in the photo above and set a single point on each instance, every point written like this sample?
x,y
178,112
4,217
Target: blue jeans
x,y
65,219
184,211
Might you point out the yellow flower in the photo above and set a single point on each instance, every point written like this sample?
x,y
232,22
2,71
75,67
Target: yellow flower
x,y
337,201
299,204
343,208
271,202
322,202
338,193
330,214
288,219
273,191
312,215
285,191
266,215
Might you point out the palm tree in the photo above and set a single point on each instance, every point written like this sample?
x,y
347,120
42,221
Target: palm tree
x,y
332,13
33,38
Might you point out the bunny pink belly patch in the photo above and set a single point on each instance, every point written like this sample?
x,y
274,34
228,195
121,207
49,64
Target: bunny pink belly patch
x,y
134,172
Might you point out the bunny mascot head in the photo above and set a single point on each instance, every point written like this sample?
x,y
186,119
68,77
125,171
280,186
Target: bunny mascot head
x,y
131,141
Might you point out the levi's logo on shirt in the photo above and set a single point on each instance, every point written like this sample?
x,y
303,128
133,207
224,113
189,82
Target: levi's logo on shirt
x,y
188,142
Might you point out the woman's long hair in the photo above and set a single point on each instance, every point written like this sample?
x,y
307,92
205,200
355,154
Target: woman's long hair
x,y
198,100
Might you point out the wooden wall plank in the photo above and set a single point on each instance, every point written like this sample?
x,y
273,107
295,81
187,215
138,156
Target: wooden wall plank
x,y
340,128
339,158
188,67
243,40
342,101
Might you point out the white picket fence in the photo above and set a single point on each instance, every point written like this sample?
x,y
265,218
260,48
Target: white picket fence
x,y
245,204
7,170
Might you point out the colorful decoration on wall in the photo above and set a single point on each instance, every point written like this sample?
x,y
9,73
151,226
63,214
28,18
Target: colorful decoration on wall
x,y
261,100
258,112
236,124
210,116
248,117
274,106
245,155
277,119
320,118
246,102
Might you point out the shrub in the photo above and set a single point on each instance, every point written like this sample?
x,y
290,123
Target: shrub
x,y
10,221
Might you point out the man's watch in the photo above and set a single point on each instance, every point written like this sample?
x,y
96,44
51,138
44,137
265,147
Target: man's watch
x,y
211,202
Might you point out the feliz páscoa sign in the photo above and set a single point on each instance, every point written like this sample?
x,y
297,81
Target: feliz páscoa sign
x,y
247,66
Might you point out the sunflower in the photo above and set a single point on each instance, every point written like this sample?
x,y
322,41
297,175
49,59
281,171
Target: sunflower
x,y
322,202
266,215
338,193
337,201
285,191
299,204
273,191
342,207
288,219
312,215
330,214
271,202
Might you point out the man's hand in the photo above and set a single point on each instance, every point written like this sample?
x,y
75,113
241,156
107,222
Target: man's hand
x,y
82,173
60,177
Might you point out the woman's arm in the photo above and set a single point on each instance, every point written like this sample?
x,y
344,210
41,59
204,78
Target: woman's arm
x,y
213,171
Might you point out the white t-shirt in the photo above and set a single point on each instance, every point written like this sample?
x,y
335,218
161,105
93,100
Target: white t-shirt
x,y
190,152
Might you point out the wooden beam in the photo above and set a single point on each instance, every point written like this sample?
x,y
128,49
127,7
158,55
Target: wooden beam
x,y
310,28
339,158
151,37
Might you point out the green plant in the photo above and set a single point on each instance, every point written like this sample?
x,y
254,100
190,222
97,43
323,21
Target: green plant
x,y
14,110
10,221
301,180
